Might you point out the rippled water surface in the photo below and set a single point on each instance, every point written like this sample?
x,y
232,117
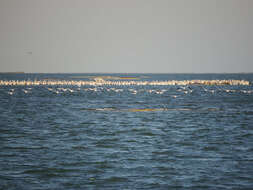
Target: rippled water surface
x,y
126,137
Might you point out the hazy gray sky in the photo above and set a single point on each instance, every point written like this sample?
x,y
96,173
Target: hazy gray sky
x,y
126,35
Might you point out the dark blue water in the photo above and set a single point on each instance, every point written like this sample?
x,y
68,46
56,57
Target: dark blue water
x,y
126,137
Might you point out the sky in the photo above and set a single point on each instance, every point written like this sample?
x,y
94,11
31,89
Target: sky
x,y
126,36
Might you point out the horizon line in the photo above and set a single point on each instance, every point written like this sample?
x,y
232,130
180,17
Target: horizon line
x,y
22,72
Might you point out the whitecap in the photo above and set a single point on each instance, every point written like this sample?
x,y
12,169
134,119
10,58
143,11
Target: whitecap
x,y
25,91
10,93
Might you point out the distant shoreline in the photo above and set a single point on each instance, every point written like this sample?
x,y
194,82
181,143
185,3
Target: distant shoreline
x,y
130,73
19,72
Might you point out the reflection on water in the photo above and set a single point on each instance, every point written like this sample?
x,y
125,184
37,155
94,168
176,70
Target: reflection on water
x,y
126,137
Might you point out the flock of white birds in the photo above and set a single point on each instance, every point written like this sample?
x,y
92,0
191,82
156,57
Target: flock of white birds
x,y
101,82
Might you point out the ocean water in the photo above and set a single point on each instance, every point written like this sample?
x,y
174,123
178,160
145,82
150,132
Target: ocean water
x,y
126,137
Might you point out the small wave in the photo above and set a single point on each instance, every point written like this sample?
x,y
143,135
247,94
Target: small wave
x,y
105,109
138,109
10,93
247,91
146,110
115,179
26,91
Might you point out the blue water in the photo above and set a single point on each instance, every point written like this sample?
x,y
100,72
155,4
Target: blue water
x,y
126,137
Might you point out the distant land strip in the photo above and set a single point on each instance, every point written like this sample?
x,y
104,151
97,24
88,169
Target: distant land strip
x,y
17,72
101,82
